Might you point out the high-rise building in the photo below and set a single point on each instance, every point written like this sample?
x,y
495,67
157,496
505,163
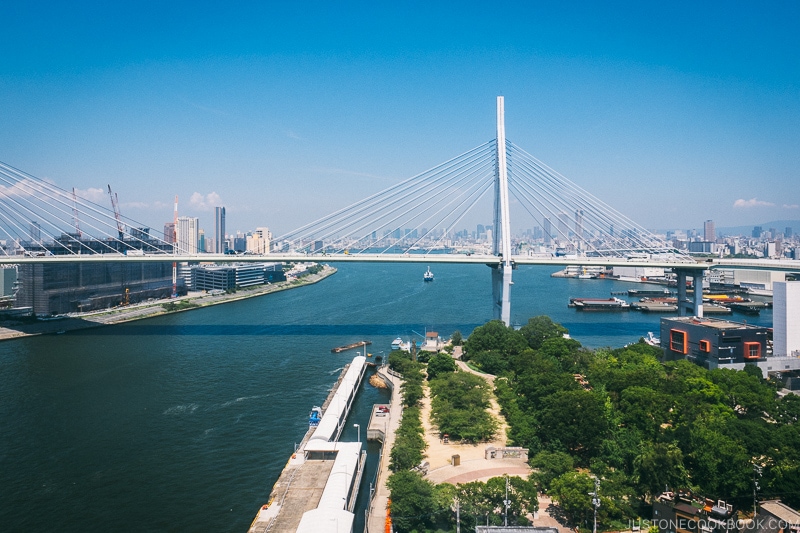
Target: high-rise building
x,y
579,223
788,232
258,241
563,226
201,241
187,235
786,317
548,230
36,231
169,232
709,232
219,230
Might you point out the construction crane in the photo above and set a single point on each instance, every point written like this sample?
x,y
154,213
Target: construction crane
x,y
174,249
75,214
115,207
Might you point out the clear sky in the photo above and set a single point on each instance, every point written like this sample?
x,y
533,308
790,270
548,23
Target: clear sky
x,y
672,112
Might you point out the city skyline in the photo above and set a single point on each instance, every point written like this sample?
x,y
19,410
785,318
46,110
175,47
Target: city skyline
x,y
673,114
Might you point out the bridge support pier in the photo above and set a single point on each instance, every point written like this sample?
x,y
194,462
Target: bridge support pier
x,y
501,292
684,304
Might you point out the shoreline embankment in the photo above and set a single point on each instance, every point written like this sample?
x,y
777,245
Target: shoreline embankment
x,y
10,330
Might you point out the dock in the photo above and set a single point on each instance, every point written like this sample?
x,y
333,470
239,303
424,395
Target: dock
x,y
318,487
379,422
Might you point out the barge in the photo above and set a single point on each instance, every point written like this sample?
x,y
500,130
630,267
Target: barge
x,y
599,304
359,344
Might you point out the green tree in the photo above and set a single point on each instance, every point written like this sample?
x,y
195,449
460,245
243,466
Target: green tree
x,y
440,364
719,465
485,501
659,465
456,339
567,352
644,409
409,445
459,406
494,335
547,466
571,492
540,328
490,361
787,409
414,502
745,392
577,419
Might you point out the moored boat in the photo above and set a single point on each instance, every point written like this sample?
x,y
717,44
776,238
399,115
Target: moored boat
x,y
599,304
652,340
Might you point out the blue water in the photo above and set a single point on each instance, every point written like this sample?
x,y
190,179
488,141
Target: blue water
x,y
184,422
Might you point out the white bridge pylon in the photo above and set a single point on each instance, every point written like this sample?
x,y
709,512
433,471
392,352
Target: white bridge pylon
x,y
501,245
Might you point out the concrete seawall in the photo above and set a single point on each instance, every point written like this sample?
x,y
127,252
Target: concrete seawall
x,y
306,497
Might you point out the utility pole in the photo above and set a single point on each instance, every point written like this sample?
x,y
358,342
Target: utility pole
x,y
595,502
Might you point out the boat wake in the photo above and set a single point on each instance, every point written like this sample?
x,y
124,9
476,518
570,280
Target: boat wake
x,y
189,408
239,400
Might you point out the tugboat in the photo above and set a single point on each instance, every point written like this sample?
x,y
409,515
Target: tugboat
x,y
428,275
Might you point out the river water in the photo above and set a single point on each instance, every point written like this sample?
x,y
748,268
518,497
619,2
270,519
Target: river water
x,y
184,422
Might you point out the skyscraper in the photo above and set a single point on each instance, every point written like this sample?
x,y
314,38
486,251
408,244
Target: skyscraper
x,y
219,230
579,224
548,231
169,232
786,317
187,235
709,233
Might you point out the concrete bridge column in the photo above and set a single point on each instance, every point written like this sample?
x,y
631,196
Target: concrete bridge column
x,y
681,291
501,292
697,281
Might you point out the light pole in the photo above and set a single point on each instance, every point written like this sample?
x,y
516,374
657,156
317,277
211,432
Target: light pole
x,y
506,503
359,431
595,502
756,472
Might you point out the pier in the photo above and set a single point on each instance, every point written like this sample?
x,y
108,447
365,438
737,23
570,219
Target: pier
x,y
379,422
317,489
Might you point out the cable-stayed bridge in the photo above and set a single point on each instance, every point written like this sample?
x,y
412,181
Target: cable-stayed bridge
x,y
416,220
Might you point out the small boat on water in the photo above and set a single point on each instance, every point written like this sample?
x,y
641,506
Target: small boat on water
x,y
428,275
652,340
397,343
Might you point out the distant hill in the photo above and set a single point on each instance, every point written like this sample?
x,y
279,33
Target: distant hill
x,y
779,225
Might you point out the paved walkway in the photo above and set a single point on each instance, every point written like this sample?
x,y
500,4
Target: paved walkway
x,y
376,521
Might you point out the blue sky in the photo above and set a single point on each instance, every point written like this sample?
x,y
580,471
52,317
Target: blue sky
x,y
672,112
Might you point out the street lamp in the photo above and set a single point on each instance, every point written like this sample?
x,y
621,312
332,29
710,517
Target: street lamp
x,y
595,502
359,431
